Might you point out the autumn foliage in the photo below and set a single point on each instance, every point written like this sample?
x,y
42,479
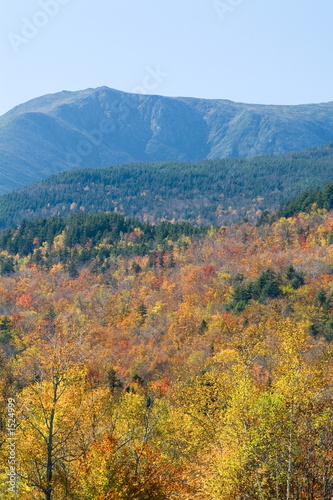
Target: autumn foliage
x,y
199,369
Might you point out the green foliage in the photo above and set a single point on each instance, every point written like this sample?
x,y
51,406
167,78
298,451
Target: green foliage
x,y
266,286
295,278
321,299
142,311
113,381
31,234
91,236
323,321
211,191
203,327
328,333
7,265
323,198
5,330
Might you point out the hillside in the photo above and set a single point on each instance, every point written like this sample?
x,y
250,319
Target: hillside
x,y
321,198
102,127
160,362
208,192
98,236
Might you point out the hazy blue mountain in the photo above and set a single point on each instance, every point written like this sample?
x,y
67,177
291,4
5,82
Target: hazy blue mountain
x,y
102,127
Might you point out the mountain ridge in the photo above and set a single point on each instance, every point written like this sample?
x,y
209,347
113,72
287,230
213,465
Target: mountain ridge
x,y
102,127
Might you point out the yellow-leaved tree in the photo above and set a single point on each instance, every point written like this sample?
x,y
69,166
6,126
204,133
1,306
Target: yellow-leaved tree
x,y
59,413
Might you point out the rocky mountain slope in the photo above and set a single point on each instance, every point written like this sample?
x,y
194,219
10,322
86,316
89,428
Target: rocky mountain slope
x,y
102,127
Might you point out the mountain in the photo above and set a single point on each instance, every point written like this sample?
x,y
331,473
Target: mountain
x,y
102,127
206,192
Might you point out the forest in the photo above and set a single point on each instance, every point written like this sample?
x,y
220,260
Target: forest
x,y
322,198
152,362
217,192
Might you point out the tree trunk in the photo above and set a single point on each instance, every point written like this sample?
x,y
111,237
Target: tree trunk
x,y
289,462
49,464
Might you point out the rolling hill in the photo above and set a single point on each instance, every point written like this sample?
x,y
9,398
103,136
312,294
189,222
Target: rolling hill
x,y
207,192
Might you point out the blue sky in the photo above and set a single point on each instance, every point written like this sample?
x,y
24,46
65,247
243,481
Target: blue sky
x,y
259,51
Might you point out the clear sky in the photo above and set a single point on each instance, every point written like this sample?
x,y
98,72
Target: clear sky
x,y
259,51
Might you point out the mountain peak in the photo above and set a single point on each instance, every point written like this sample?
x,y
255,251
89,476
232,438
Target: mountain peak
x,y
103,126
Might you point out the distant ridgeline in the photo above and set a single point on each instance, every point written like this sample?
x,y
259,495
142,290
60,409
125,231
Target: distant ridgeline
x,y
208,192
102,127
83,237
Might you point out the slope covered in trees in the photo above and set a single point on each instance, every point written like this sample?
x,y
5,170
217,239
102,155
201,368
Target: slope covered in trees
x,y
201,370
323,198
208,192
81,238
